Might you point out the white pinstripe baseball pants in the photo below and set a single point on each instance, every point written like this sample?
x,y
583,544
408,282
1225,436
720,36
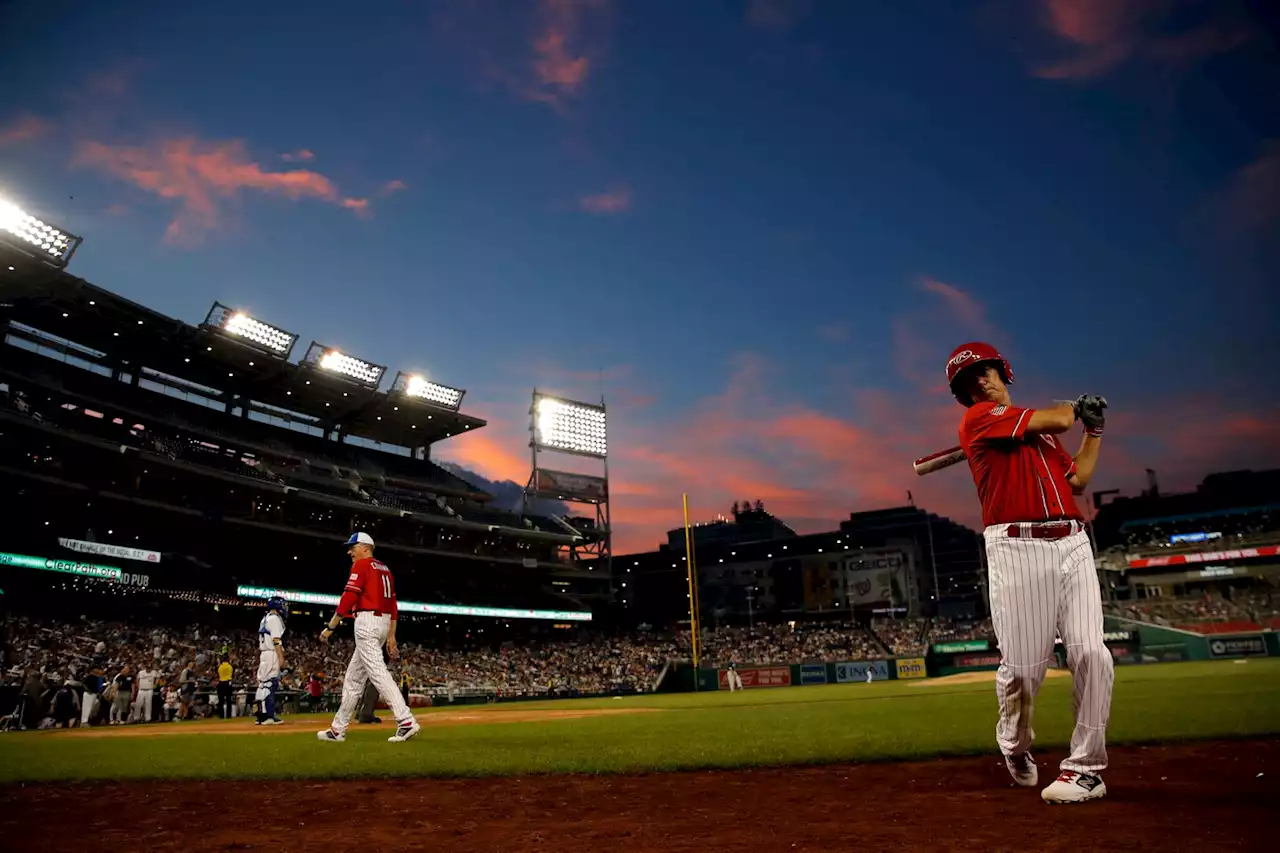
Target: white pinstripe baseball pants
x,y
1041,589
367,665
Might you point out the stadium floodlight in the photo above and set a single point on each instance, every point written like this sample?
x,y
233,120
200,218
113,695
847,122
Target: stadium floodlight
x,y
339,363
21,229
569,427
250,330
414,385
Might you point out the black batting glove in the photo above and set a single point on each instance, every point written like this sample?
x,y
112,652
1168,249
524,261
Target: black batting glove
x,y
1090,411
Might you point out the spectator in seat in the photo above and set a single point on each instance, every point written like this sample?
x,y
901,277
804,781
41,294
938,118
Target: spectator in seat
x,y
66,706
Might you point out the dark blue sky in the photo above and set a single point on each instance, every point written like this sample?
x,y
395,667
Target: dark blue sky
x,y
766,222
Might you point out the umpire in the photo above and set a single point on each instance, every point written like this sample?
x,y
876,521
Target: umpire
x,y
224,688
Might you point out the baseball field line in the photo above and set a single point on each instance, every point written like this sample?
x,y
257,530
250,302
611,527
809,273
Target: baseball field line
x,y
783,726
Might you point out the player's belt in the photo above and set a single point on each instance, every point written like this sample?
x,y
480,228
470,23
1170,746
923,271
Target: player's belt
x,y
1043,530
375,612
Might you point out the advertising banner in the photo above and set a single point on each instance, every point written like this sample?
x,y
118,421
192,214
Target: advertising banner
x,y
858,670
864,578
962,646
769,676
1241,646
120,552
965,661
70,567
1205,557
910,668
813,673
561,485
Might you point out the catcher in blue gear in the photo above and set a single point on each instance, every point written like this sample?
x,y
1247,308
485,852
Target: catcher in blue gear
x,y
270,660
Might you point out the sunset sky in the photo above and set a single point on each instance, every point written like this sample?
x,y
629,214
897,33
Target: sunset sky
x,y
760,225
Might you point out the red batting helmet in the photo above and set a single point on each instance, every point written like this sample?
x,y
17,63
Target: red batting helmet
x,y
966,356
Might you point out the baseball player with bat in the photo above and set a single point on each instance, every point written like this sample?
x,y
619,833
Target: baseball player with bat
x,y
370,599
1042,578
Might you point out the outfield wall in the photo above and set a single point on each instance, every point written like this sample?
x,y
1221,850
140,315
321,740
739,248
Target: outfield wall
x,y
1129,642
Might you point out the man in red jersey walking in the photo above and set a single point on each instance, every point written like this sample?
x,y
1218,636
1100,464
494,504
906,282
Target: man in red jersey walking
x,y
370,599
1040,568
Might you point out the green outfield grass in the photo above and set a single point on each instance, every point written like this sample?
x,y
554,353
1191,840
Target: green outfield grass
x,y
801,725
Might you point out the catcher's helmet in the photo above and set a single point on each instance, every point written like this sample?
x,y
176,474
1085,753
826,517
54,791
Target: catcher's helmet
x,y
966,356
279,605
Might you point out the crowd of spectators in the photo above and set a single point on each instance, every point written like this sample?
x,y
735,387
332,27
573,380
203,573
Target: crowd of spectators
x,y
902,637
1220,530
774,644
66,670
1255,608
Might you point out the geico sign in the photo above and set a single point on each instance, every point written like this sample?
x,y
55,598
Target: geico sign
x,y
887,561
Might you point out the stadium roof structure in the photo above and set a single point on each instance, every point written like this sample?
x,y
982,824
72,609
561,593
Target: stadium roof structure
x,y
101,326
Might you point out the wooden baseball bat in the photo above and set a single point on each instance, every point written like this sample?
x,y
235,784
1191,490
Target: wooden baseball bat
x,y
938,461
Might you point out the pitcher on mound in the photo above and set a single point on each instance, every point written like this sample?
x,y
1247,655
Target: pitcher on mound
x,y
1039,562
370,599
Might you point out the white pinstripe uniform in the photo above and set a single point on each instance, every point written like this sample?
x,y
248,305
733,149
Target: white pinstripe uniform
x,y
1042,580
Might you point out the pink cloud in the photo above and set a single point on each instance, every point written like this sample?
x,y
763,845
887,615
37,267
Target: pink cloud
x,y
200,177
557,57
751,440
1102,35
393,186
614,201
302,155
923,336
358,206
25,128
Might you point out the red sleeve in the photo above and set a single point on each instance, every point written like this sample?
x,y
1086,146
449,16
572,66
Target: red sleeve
x,y
989,422
351,593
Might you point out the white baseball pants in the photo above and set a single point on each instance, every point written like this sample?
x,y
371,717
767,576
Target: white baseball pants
x,y
1042,589
88,707
735,680
367,665
142,707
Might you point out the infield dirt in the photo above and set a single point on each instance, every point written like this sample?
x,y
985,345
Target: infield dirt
x,y
1200,796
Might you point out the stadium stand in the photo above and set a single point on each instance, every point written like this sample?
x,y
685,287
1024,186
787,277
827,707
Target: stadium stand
x,y
1204,561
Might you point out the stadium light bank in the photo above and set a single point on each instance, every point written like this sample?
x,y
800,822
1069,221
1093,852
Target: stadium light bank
x,y
250,331
35,237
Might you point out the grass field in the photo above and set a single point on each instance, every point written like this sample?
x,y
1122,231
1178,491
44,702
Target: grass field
x,y
802,725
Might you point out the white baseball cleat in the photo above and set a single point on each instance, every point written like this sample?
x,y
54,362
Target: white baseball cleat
x,y
272,721
404,731
1023,769
1073,787
331,736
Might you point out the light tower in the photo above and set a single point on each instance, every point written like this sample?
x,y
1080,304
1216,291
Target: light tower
x,y
564,426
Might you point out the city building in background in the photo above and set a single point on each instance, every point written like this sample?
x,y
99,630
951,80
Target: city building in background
x,y
902,562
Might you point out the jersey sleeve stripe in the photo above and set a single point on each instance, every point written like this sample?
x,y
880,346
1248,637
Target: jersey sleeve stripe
x,y
1018,428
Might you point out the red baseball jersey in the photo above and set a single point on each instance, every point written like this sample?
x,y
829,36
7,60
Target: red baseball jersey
x,y
1020,477
370,587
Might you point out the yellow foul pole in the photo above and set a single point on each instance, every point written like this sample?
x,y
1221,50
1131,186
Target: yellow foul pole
x,y
693,589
